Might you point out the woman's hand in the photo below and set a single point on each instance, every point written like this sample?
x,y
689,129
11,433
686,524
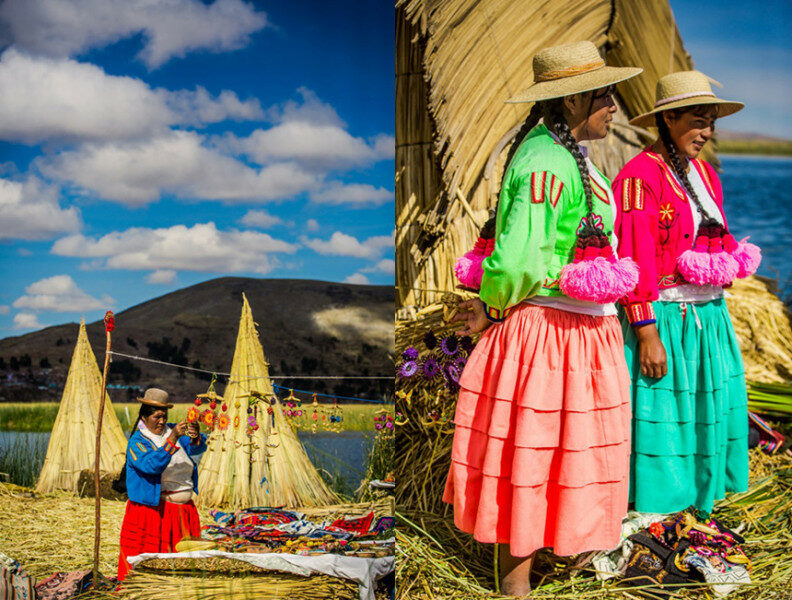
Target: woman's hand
x,y
472,313
178,430
651,352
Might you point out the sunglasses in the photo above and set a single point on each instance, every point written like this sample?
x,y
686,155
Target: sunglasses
x,y
604,92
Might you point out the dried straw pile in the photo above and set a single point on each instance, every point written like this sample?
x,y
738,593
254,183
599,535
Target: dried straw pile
x,y
72,443
269,467
433,562
762,324
456,63
438,562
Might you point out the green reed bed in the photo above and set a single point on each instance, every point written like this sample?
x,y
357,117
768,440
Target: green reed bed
x,y
21,457
40,416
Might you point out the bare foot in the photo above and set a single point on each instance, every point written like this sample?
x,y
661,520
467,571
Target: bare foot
x,y
515,573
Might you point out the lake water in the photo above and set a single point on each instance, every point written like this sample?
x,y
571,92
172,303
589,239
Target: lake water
x,y
757,194
343,453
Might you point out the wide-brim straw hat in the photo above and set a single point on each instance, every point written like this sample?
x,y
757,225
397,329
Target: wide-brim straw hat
x,y
155,397
571,69
685,88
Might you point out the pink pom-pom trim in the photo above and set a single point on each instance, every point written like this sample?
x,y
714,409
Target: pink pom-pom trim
x,y
748,257
723,268
695,266
468,267
599,280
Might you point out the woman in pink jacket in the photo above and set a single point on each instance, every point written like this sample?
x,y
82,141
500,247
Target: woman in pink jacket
x,y
688,385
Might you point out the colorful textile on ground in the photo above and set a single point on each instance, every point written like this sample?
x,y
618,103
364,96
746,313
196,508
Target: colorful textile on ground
x,y
687,547
276,530
690,432
15,583
769,439
62,586
150,529
541,449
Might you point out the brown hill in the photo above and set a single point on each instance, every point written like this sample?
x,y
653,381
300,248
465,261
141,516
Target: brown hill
x,y
306,328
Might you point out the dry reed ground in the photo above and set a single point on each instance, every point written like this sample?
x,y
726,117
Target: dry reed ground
x,y
54,532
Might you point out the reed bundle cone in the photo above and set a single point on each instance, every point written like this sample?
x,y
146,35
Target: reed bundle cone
x,y
72,444
269,466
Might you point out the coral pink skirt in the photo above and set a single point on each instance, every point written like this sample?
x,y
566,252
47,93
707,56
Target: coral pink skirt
x,y
541,450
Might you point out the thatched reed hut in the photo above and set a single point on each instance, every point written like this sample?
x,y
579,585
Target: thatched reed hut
x,y
456,63
72,445
269,467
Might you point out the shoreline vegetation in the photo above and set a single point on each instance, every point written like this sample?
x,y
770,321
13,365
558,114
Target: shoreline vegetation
x,y
40,416
755,147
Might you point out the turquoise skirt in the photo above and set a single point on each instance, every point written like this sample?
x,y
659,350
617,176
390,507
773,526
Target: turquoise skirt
x,y
689,428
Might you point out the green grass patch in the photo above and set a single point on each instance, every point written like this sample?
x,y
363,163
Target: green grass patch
x,y
21,457
40,416
767,148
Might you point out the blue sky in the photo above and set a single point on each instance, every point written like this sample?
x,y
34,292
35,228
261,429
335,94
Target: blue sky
x,y
148,146
747,47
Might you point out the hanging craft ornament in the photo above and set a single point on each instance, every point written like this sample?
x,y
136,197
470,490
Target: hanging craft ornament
x,y
293,410
335,418
596,274
384,422
317,413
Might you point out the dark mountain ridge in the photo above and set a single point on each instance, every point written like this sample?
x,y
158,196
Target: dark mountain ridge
x,y
305,327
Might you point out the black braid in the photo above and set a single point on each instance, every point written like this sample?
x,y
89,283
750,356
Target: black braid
x,y
676,164
561,128
537,112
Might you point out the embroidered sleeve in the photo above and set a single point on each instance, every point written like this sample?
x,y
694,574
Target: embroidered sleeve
x,y
524,242
636,229
146,458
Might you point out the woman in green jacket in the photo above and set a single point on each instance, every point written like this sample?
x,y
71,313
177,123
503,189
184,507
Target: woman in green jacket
x,y
541,448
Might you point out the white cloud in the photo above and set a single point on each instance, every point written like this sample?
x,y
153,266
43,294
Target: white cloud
x,y
356,194
4,309
261,219
30,211
46,99
317,146
135,173
341,244
386,265
170,28
161,276
309,110
60,294
312,225
26,321
312,134
201,247
357,278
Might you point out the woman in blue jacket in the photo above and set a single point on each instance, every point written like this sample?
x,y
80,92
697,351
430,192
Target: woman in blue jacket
x,y
161,476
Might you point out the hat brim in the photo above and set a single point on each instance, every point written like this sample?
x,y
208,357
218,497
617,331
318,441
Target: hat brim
x,y
154,403
575,84
725,108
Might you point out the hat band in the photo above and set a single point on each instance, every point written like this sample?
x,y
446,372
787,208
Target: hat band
x,y
576,70
665,101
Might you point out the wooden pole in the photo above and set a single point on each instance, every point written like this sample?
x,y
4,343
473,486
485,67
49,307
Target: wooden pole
x,y
109,321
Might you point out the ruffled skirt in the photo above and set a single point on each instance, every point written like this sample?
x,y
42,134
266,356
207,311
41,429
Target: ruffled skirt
x,y
690,428
153,529
541,447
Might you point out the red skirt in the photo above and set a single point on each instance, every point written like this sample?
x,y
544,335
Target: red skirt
x,y
155,529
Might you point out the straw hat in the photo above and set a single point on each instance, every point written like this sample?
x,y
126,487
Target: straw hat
x,y
571,69
685,88
156,397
